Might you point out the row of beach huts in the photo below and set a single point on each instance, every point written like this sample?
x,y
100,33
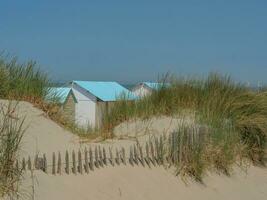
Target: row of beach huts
x,y
85,102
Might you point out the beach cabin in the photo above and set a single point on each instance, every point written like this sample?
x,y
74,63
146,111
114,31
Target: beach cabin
x,y
145,88
89,100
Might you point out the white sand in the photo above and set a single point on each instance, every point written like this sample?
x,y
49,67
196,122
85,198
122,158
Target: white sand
x,y
45,136
123,182
132,183
153,126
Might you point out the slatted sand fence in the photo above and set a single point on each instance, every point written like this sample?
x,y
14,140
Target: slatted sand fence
x,y
157,151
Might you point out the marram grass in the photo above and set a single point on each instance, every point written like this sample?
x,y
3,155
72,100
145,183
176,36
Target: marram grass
x,y
236,117
22,81
11,133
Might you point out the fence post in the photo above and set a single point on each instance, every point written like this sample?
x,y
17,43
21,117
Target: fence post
x,y
67,162
117,159
131,156
44,163
29,163
59,163
169,146
36,166
141,155
135,155
91,159
147,155
23,164
100,156
104,156
157,150
74,169
17,166
161,149
174,153
111,157
86,160
80,164
96,157
54,163
152,153
123,158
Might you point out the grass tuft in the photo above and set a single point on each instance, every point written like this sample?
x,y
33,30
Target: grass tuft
x,y
236,117
11,133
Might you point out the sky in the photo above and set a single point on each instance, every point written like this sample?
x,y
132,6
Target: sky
x,y
131,41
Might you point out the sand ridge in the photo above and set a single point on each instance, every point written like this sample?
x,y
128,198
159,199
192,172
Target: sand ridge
x,y
122,182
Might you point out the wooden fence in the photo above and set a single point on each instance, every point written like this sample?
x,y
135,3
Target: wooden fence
x,y
157,151
86,160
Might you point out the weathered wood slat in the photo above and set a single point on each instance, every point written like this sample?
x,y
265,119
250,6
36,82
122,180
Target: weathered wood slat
x,y
141,156
111,158
74,167
161,149
104,156
59,163
131,159
67,163
86,164
100,156
29,163
96,157
17,166
36,162
123,156
117,159
147,158
91,159
44,163
152,153
157,151
53,163
80,164
136,156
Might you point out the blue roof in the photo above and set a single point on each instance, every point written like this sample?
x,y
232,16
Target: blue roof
x,y
106,91
59,93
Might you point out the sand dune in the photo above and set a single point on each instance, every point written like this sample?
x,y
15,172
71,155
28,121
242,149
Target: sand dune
x,y
122,182
138,183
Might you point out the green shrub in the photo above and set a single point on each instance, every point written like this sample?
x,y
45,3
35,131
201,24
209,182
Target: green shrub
x,y
11,132
236,116
22,81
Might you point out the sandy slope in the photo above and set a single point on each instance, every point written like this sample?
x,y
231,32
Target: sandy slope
x,y
140,183
45,136
42,135
123,182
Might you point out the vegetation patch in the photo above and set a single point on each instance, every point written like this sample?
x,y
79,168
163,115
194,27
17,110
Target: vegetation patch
x,y
11,132
235,115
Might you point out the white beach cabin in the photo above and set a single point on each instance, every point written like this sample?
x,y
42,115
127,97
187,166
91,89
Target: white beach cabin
x,y
88,100
145,88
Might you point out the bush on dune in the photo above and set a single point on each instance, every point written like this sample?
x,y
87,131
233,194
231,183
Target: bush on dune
x,y
236,117
17,82
22,81
11,132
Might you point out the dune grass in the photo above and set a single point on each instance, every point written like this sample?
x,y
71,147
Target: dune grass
x,y
22,81
236,117
17,82
11,133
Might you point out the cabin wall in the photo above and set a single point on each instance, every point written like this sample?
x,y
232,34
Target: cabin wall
x,y
101,108
85,108
69,108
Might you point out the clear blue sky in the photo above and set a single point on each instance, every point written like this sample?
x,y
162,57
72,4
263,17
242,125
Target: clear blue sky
x,y
137,40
